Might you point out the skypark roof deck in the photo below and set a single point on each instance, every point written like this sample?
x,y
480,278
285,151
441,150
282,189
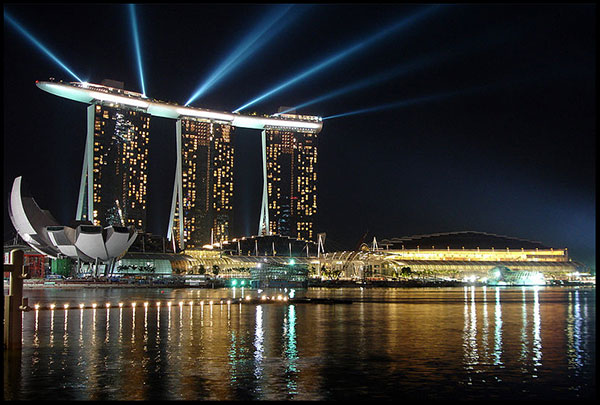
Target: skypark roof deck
x,y
90,93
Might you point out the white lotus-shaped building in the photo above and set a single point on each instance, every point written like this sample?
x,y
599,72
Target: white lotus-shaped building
x,y
89,243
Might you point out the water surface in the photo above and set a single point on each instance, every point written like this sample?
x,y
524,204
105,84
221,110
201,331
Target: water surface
x,y
419,343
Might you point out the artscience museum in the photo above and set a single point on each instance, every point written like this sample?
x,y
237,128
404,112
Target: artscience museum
x,y
82,241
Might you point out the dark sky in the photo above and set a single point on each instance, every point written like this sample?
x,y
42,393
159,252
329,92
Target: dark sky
x,y
509,150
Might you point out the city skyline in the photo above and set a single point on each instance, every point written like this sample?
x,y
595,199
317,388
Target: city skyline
x,y
516,159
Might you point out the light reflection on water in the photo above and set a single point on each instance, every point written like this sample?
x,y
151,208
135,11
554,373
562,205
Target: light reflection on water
x,y
574,329
522,343
498,330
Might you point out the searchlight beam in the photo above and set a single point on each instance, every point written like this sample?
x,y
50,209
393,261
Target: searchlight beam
x,y
39,45
425,99
265,30
419,63
344,54
136,41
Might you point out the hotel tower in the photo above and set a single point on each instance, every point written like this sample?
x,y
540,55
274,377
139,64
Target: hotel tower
x,y
202,205
115,169
290,181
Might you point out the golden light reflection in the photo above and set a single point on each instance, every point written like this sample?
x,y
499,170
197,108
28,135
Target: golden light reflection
x,y
169,323
106,339
201,314
470,329
158,323
51,328
512,336
133,323
574,331
37,313
93,324
486,327
120,323
180,316
498,330
537,325
191,320
145,336
524,330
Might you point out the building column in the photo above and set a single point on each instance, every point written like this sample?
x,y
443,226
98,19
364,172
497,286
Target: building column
x,y
263,226
87,172
177,191
82,188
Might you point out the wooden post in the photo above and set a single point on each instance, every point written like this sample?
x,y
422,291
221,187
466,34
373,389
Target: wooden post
x,y
14,302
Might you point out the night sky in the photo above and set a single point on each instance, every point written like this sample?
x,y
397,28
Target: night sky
x,y
489,125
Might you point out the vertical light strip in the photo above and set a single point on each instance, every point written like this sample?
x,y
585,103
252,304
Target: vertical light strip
x,y
136,40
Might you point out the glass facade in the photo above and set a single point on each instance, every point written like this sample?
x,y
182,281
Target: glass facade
x,y
279,276
291,160
207,158
120,166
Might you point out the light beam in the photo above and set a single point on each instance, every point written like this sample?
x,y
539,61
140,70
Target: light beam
x,y
136,41
404,23
372,80
418,100
40,46
388,106
265,30
421,62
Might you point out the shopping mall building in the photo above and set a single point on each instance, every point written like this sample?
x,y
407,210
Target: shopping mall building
x,y
454,255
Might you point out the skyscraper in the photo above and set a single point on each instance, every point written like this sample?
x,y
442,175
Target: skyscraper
x,y
115,168
204,183
291,181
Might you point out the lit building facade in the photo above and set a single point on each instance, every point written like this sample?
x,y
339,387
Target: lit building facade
x,y
185,223
204,179
454,255
115,172
290,195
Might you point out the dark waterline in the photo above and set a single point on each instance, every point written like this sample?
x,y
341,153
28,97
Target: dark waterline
x,y
429,343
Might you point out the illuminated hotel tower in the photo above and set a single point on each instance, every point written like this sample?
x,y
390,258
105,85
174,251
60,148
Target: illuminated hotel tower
x,y
115,166
290,188
203,183
113,180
